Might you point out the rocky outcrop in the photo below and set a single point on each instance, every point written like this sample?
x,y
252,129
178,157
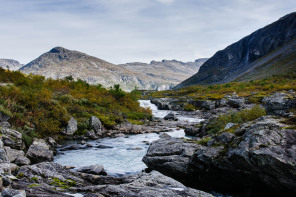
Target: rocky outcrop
x,y
278,104
49,179
71,127
39,152
240,57
261,157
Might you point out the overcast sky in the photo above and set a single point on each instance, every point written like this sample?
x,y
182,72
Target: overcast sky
x,y
121,31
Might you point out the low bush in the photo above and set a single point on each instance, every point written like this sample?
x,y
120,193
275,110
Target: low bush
x,y
239,117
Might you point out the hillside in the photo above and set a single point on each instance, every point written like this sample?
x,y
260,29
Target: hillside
x,y
240,57
282,61
60,62
11,64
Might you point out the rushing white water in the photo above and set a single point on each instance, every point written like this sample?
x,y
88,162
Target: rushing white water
x,y
126,154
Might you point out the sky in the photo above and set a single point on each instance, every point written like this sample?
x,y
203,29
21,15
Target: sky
x,y
122,31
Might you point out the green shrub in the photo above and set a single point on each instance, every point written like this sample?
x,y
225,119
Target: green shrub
x,y
235,117
189,107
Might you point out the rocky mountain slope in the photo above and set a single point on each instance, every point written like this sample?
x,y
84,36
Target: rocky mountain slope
x,y
11,64
254,51
60,62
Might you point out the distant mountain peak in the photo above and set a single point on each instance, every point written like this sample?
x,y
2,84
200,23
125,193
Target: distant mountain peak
x,y
59,50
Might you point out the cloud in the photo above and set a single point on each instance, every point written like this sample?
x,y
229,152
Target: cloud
x,y
166,1
131,30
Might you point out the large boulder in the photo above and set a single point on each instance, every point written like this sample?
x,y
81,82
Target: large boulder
x,y
39,152
170,156
278,104
263,159
11,138
96,125
71,127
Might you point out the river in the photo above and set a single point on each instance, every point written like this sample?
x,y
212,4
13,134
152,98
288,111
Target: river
x,y
126,153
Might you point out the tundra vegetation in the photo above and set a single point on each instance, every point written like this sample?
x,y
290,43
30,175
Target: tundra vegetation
x,y
42,107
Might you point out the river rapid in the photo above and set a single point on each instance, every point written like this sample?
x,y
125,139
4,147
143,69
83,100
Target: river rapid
x,y
124,155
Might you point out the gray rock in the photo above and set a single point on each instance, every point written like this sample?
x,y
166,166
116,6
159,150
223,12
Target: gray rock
x,y
236,103
165,136
7,168
51,142
170,156
278,104
13,193
220,103
39,152
192,131
96,125
91,135
96,169
171,116
12,154
11,138
71,127
22,160
3,156
1,144
225,138
5,124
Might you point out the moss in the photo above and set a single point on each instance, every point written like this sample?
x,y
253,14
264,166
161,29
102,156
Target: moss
x,y
63,184
35,179
34,185
204,141
20,175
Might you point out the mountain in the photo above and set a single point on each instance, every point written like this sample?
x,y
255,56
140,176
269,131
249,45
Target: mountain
x,y
166,73
11,64
262,50
60,62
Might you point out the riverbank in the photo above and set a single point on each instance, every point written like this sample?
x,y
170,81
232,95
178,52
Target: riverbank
x,y
51,179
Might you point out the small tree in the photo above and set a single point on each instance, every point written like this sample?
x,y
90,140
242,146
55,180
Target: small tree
x,y
116,91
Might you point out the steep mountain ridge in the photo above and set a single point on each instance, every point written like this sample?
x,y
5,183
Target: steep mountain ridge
x,y
10,63
60,62
236,59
